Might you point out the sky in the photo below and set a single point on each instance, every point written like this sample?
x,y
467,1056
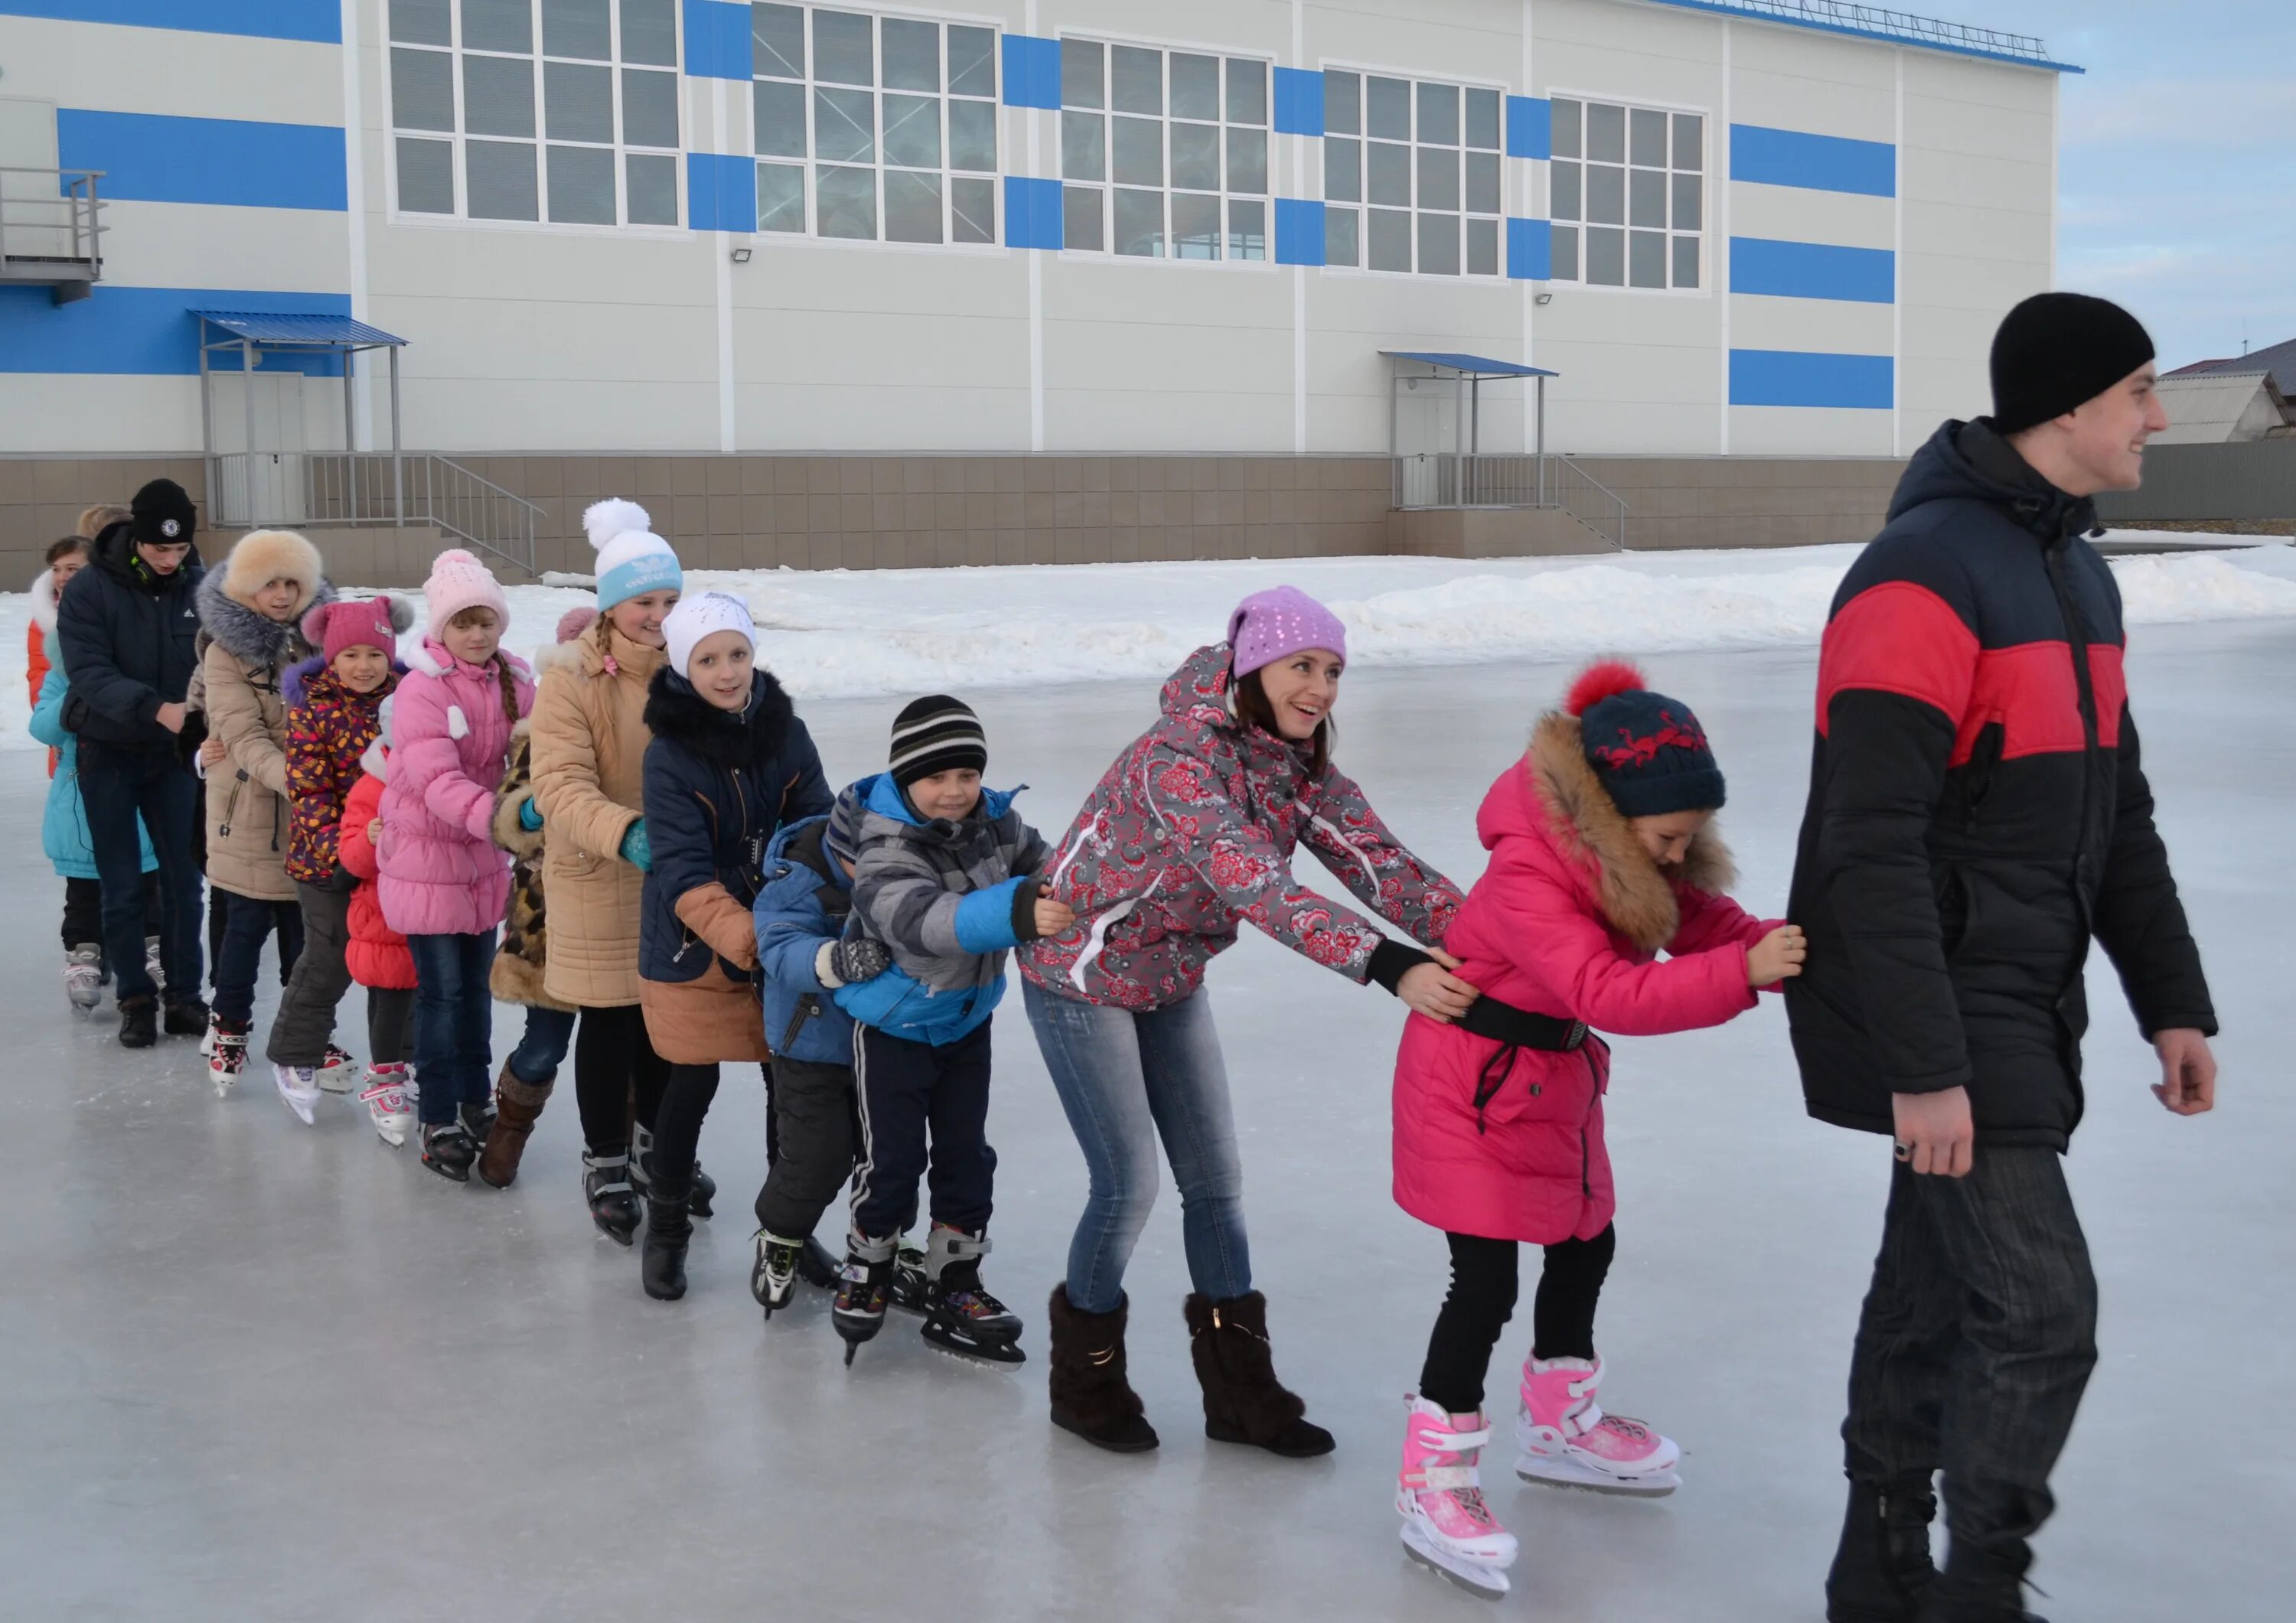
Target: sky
x,y
2177,176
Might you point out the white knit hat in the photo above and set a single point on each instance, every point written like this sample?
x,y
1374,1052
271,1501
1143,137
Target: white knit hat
x,y
632,560
702,615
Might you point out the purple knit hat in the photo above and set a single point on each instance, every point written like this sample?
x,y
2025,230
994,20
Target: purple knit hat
x,y
1268,626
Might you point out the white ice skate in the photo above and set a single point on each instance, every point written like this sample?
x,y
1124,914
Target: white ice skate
x,y
1447,1527
1566,1438
84,978
298,1089
339,1072
389,1099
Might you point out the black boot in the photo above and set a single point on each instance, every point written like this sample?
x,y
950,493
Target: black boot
x,y
1091,1396
606,1186
661,1261
185,1017
1881,1569
139,1021
1980,1586
1235,1365
704,1190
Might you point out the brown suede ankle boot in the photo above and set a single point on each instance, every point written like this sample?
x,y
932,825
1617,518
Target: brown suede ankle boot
x,y
517,1105
1244,1401
1091,1396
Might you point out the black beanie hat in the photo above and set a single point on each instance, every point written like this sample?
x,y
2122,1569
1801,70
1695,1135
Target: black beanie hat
x,y
2057,351
936,734
1647,751
162,515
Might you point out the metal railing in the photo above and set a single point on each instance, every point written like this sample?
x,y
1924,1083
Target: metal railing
x,y
1895,25
318,489
1442,478
1590,501
51,225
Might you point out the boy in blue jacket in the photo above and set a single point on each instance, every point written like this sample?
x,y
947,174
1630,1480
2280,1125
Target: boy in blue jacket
x,y
944,883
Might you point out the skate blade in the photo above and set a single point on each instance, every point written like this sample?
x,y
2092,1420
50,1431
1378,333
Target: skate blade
x,y
980,1355
1484,1583
1552,1474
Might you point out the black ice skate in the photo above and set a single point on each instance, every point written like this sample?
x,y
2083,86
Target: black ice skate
x,y
859,1312
613,1204
773,1278
816,1266
449,1151
909,1277
961,1316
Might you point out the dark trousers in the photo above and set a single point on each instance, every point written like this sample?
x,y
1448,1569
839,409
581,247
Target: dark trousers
x,y
924,1113
389,1025
542,1047
84,912
811,1106
454,1022
306,1021
1975,1345
686,1099
1481,1300
617,1074
247,925
117,786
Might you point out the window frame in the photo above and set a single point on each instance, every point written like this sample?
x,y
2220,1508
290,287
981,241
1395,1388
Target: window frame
x,y
810,237
459,138
1509,188
1111,39
1706,184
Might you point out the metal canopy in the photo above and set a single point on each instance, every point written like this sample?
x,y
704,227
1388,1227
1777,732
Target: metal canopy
x,y
270,327
1469,366
251,331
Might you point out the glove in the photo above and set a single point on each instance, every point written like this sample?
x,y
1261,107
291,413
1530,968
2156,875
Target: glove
x,y
857,960
529,816
637,850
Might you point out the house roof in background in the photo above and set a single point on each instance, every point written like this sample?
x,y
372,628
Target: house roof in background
x,y
2217,408
2277,359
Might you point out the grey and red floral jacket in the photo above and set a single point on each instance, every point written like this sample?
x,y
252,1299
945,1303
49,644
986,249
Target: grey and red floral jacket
x,y
1189,837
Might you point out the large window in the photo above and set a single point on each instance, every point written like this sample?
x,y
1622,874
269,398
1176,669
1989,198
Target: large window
x,y
1411,175
1163,153
874,130
564,110
1628,195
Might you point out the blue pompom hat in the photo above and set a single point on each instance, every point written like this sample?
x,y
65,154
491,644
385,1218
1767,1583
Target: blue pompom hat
x,y
1647,751
632,560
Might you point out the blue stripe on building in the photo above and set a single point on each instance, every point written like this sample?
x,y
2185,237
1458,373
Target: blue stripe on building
x,y
717,40
1813,270
317,20
1530,249
1803,377
1298,103
1032,208
721,191
159,158
118,329
1299,226
1032,71
1818,163
1529,127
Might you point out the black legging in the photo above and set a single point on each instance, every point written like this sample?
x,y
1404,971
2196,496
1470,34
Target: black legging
x,y
1481,1300
616,1073
677,1126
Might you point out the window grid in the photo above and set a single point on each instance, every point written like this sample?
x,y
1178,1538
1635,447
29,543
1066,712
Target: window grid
x,y
1412,176
564,113
1626,194
874,127
1164,153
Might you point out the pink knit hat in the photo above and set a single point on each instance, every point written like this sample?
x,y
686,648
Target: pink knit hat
x,y
1268,626
575,621
364,622
457,582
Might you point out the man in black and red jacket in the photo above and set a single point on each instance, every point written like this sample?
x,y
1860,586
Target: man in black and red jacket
x,y
1977,814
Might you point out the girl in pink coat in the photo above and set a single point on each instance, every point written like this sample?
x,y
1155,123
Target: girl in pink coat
x,y
1601,859
445,882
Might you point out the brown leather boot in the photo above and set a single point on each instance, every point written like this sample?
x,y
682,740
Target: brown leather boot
x,y
518,1105
1244,1401
1091,1396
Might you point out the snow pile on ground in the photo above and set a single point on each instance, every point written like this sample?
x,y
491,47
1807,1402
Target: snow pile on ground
x,y
862,633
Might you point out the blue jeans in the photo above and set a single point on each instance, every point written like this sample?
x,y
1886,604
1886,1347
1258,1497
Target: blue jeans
x,y
117,786
1125,1079
454,1022
247,925
542,1047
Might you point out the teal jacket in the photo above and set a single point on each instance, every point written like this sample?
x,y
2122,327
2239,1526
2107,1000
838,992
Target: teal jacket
x,y
63,826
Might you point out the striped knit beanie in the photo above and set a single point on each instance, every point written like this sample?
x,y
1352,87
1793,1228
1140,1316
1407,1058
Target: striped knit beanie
x,y
936,734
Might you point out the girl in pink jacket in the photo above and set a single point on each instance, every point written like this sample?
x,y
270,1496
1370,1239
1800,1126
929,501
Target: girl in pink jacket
x,y
1601,859
445,882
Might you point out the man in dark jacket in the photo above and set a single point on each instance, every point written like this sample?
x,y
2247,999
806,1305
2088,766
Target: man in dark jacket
x,y
1977,815
128,629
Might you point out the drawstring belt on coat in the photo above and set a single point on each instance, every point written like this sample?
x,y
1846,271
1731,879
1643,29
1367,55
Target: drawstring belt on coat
x,y
1513,1029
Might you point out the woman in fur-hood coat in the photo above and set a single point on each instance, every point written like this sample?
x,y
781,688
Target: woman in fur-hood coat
x,y
243,655
1568,921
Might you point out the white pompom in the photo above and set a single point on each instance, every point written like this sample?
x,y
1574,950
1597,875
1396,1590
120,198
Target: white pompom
x,y
614,516
458,725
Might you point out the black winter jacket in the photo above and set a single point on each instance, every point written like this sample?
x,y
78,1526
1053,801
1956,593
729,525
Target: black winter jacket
x,y
129,638
1977,812
717,786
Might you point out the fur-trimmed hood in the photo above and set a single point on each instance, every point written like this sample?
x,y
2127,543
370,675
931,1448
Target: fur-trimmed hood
x,y
248,635
295,682
1638,898
43,591
676,712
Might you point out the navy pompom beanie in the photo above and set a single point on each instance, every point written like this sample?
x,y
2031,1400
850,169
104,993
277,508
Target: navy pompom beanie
x,y
1646,750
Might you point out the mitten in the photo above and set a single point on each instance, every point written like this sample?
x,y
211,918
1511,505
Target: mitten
x,y
857,960
529,816
637,850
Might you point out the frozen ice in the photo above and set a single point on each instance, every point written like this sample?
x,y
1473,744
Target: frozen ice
x,y
254,1370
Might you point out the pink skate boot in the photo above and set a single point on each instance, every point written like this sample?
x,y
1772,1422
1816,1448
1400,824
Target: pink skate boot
x,y
1566,1438
1447,1528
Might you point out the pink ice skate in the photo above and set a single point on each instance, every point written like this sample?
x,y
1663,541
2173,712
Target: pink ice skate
x,y
1447,1528
1567,1439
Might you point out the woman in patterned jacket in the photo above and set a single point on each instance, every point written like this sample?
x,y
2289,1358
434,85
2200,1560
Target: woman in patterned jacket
x,y
1188,837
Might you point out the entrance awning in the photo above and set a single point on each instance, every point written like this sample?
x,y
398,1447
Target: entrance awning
x,y
283,327
1471,366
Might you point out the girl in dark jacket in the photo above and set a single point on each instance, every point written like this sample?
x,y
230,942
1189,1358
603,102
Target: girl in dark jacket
x,y
728,763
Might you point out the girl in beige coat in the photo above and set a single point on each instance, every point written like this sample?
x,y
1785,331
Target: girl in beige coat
x,y
249,609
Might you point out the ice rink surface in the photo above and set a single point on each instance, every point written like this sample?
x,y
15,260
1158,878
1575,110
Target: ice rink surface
x,y
250,1370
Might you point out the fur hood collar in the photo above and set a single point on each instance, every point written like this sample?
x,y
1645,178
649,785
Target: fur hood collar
x,y
42,590
1583,825
298,681
248,635
676,712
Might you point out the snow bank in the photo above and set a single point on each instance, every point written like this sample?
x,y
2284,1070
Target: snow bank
x,y
840,633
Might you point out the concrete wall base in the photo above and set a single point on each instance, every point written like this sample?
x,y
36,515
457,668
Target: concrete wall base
x,y
1489,532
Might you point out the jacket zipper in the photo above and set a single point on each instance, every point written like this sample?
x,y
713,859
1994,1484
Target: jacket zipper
x,y
2091,752
1586,1125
